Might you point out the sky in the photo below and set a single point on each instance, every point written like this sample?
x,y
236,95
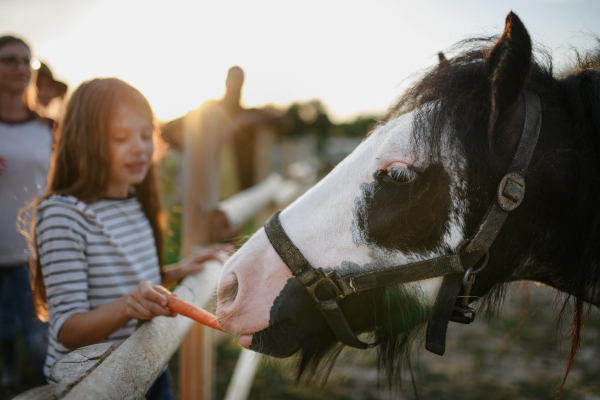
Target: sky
x,y
356,56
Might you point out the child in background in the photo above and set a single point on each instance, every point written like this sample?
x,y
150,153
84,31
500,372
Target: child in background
x,y
97,229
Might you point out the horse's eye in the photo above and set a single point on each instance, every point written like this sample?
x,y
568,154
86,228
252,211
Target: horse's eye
x,y
402,175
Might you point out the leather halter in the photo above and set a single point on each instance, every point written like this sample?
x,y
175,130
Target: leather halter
x,y
456,268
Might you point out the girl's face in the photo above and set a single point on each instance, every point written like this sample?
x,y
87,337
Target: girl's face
x,y
15,70
131,148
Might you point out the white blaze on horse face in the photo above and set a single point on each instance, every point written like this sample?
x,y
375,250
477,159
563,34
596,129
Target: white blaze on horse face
x,y
320,224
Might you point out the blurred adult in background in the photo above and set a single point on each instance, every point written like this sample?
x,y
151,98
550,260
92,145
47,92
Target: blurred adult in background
x,y
25,146
48,89
236,128
232,130
240,127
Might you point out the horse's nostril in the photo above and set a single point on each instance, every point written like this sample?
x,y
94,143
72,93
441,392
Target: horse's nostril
x,y
230,292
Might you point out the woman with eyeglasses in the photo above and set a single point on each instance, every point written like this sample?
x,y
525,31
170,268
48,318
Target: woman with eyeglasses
x,y
25,147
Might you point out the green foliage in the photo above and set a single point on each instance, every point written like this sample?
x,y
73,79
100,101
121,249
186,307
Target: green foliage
x,y
312,118
172,235
359,127
171,199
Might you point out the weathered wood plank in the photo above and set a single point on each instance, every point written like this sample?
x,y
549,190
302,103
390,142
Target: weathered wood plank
x,y
47,392
244,205
79,363
131,369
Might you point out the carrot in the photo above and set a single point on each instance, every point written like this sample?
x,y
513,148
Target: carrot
x,y
189,310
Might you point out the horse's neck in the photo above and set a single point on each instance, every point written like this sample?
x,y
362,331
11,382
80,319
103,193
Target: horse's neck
x,y
563,221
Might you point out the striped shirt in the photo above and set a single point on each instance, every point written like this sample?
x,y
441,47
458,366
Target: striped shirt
x,y
91,254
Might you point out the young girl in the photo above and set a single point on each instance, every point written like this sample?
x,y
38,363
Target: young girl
x,y
97,232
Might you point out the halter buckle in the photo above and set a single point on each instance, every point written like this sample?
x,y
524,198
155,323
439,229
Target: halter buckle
x,y
460,314
511,191
331,281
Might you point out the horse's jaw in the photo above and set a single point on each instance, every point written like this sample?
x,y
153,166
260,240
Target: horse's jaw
x,y
260,276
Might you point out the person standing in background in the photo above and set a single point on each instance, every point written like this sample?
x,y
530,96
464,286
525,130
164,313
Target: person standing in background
x,y
25,147
50,92
235,128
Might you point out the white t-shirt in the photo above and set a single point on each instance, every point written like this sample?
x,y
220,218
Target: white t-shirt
x,y
91,254
26,147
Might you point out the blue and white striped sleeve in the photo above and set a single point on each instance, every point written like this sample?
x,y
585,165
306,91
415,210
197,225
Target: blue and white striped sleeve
x,y
61,241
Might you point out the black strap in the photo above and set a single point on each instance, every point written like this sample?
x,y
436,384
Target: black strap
x,y
344,286
354,283
308,275
510,194
291,256
435,340
398,274
496,215
339,324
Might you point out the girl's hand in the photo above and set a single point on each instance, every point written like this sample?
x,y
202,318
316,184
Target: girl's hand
x,y
147,301
195,263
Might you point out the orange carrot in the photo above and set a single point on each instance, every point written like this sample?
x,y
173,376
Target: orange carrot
x,y
184,308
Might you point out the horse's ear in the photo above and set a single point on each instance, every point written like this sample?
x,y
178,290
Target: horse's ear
x,y
442,58
508,65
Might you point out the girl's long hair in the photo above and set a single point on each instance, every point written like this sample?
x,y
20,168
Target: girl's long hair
x,y
80,164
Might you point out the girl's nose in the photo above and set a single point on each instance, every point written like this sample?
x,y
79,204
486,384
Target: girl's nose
x,y
138,145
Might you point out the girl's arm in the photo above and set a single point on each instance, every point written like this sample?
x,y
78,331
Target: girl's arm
x,y
61,240
85,328
193,264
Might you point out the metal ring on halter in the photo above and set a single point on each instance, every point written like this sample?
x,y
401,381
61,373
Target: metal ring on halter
x,y
470,271
465,280
483,265
461,245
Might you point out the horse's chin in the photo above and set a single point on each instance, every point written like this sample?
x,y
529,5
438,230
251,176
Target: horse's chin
x,y
273,341
246,341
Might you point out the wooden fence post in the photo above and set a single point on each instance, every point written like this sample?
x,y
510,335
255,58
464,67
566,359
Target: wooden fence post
x,y
265,140
201,189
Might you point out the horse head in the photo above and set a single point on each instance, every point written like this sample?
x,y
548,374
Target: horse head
x,y
416,188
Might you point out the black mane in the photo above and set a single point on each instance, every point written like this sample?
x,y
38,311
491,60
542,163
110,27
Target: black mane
x,y
458,92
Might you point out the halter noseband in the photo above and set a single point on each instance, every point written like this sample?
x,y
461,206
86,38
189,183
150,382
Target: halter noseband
x,y
456,268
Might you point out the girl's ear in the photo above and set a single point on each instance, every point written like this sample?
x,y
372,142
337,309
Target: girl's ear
x,y
508,65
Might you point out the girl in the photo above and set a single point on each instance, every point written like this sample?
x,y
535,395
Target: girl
x,y
98,241
25,147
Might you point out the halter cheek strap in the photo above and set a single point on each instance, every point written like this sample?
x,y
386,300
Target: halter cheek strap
x,y
335,288
509,195
456,268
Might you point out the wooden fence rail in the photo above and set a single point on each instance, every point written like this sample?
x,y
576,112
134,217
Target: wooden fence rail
x,y
129,371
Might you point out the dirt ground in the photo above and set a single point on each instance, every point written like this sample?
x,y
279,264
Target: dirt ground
x,y
510,358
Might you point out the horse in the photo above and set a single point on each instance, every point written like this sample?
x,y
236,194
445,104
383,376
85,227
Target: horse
x,y
486,171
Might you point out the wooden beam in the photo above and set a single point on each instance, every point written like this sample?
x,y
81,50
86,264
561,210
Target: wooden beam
x,y
201,146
